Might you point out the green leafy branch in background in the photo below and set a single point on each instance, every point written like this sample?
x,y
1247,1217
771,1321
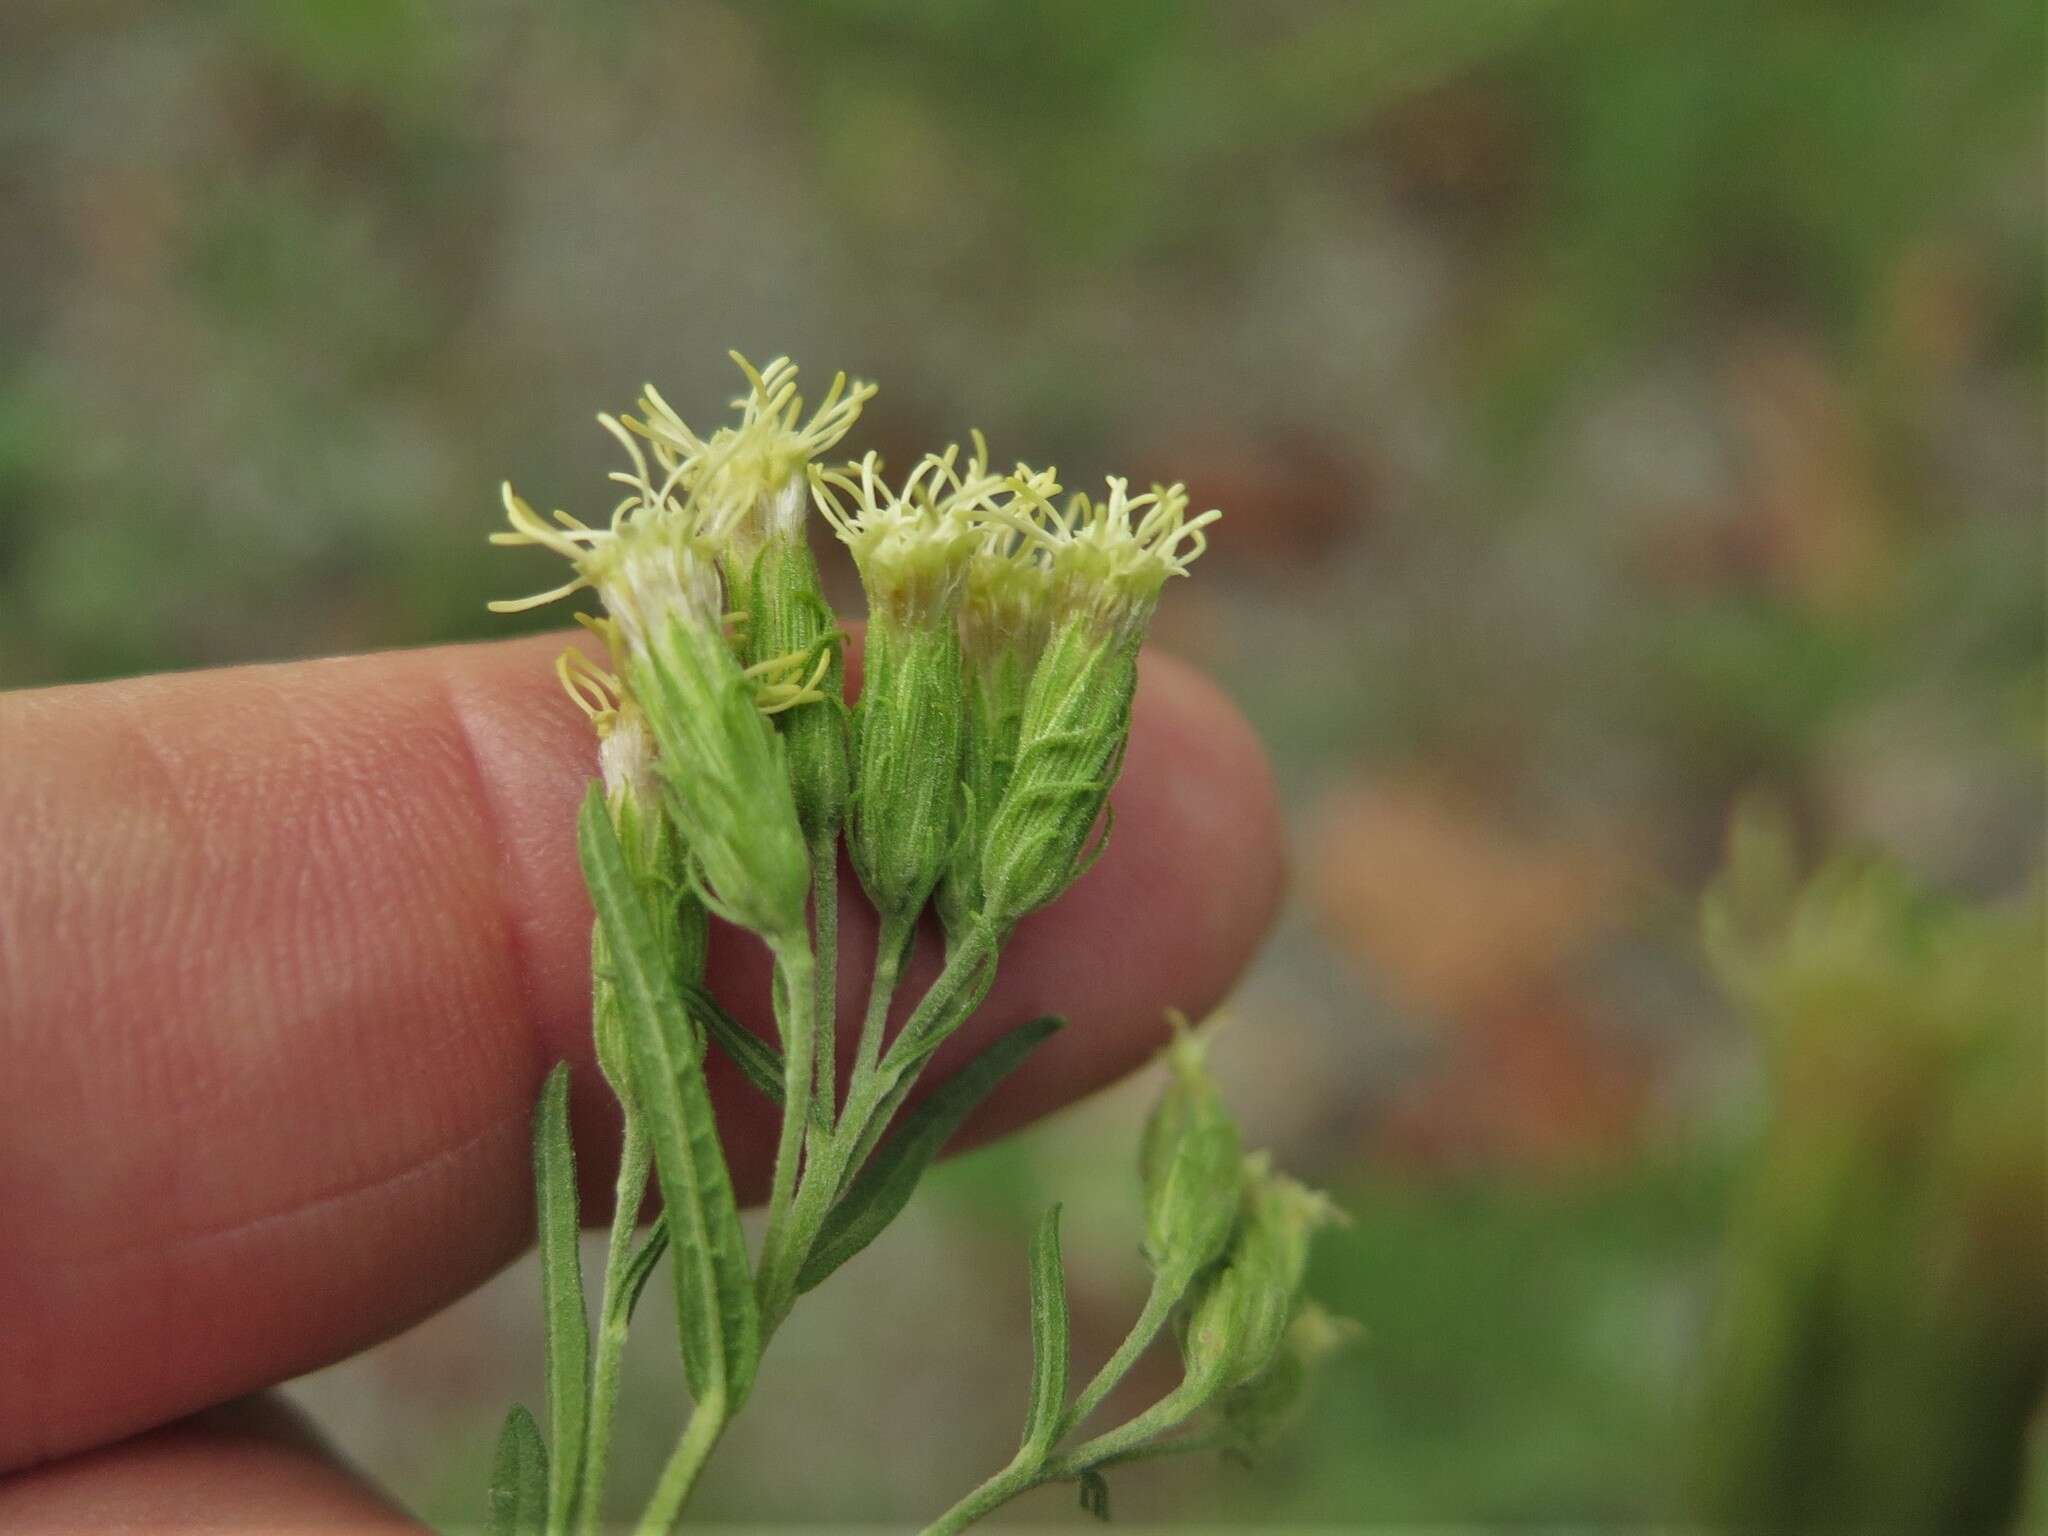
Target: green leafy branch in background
x,y
974,775
1882,1342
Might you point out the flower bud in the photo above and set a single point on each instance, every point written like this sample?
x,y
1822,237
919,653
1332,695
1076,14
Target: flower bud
x,y
1240,1309
654,851
1070,741
791,627
1188,1160
1005,614
906,732
726,781
1264,1406
911,547
1108,563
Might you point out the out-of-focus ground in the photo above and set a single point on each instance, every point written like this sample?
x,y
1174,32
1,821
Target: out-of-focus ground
x,y
1616,408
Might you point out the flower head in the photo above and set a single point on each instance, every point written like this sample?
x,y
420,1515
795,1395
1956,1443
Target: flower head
x,y
750,478
1006,603
625,746
1110,558
911,544
652,559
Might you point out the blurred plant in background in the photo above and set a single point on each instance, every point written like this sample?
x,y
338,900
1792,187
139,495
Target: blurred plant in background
x,y
1882,1342
1619,407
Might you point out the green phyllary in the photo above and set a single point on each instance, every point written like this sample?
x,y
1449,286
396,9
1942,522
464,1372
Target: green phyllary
x,y
1109,562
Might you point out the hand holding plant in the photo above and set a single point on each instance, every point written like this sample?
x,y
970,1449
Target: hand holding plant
x,y
284,954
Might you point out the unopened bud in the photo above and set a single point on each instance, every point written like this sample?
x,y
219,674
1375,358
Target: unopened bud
x,y
1188,1158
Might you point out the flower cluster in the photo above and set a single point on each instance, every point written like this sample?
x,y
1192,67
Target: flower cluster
x,y
972,776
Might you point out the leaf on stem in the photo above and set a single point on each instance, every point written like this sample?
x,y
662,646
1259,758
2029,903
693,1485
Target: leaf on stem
x,y
519,1479
561,1289
760,1062
1048,1340
884,1187
716,1313
640,1264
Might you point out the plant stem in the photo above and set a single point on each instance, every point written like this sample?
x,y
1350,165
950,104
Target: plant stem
x,y
1168,1413
889,945
936,1016
825,1175
636,1159
1167,1290
796,1009
1187,1445
707,1423
825,944
1129,1442
1021,1474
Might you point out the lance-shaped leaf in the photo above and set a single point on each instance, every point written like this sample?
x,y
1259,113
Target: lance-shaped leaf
x,y
715,1308
1048,1340
561,1293
640,1264
884,1187
519,1479
758,1061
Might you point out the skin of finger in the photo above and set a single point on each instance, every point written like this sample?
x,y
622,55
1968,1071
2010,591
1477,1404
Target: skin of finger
x,y
285,951
251,1465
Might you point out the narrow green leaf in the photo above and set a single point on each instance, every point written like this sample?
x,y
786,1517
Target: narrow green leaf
x,y
716,1312
640,1264
756,1058
519,1479
561,1293
1048,1339
884,1187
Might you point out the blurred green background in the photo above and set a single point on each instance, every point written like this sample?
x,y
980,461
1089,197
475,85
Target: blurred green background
x,y
1618,408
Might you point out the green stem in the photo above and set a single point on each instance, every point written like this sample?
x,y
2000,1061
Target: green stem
x,y
936,1016
878,1116
707,1423
825,944
1187,1445
1168,1413
1021,1474
825,1175
1167,1290
958,992
636,1160
891,946
796,1008
890,942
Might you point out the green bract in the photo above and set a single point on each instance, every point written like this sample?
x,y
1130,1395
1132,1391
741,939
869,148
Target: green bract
x,y
1240,1310
1189,1160
1070,744
1263,1406
907,734
1005,613
723,769
792,642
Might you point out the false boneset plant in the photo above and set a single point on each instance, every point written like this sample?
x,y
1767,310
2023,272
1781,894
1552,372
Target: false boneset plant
x,y
972,776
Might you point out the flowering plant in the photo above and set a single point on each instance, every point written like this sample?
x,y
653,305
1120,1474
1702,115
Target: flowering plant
x,y
972,776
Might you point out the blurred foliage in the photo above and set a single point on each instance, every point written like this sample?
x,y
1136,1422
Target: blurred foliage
x,y
1616,406
1882,1345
